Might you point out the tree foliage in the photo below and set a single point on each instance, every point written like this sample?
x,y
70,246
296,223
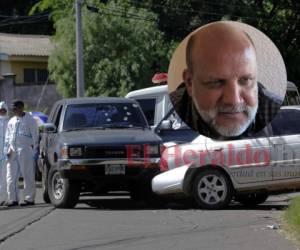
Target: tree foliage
x,y
280,20
120,53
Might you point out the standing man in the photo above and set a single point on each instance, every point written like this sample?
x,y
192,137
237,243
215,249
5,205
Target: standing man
x,y
3,124
23,148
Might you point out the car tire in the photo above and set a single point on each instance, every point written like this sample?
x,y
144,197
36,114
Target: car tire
x,y
212,189
252,200
63,193
45,193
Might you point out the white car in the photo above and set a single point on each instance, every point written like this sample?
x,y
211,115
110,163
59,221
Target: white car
x,y
247,170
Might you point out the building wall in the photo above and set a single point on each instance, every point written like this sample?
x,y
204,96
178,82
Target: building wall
x,y
36,97
5,67
7,89
17,67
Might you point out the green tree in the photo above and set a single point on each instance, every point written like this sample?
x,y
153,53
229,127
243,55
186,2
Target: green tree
x,y
280,20
122,48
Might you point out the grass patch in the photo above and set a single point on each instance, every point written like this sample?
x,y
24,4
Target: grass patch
x,y
292,218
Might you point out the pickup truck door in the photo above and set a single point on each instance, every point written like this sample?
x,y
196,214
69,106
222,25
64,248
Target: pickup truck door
x,y
52,137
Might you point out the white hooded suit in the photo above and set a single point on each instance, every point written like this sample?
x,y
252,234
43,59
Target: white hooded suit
x,y
22,139
3,125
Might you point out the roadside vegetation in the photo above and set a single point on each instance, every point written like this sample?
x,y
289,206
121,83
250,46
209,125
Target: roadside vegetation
x,y
292,218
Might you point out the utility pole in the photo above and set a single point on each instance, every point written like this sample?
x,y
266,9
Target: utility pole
x,y
79,51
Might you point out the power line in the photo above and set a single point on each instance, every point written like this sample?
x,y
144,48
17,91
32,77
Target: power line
x,y
12,21
208,3
23,17
122,11
23,20
180,10
119,13
4,16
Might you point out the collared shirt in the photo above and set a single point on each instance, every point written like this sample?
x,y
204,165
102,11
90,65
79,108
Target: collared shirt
x,y
268,106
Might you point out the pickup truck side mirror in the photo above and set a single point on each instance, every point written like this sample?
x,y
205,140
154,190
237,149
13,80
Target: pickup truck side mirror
x,y
166,124
48,128
163,125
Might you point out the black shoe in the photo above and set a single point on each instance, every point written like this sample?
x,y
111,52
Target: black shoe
x,y
12,204
27,203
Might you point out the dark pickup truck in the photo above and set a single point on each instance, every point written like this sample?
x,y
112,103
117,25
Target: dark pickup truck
x,y
96,145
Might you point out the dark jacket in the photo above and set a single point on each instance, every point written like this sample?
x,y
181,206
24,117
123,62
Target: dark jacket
x,y
268,106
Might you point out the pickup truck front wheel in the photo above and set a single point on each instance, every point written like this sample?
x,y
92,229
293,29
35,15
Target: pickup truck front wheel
x,y
63,193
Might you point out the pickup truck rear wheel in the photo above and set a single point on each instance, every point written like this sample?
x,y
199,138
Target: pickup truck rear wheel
x,y
212,189
63,193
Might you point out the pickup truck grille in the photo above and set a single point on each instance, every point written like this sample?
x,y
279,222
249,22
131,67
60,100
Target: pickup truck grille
x,y
106,152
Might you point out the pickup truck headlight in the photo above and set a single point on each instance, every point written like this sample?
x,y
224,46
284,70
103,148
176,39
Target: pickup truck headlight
x,y
75,151
153,150
64,152
69,152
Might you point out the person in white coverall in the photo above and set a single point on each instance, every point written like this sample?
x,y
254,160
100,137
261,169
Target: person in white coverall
x,y
22,140
3,124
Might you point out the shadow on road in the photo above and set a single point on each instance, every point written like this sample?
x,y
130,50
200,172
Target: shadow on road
x,y
37,205
125,203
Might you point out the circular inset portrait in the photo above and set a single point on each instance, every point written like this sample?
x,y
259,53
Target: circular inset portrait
x,y
227,80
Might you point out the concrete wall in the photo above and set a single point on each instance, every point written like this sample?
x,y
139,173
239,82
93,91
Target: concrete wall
x,y
19,66
7,90
36,97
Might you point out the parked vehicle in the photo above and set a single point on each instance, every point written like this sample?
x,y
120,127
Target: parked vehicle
x,y
164,121
96,145
292,96
214,172
39,117
154,102
161,116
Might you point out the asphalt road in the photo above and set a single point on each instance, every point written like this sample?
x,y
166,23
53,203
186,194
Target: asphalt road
x,y
120,223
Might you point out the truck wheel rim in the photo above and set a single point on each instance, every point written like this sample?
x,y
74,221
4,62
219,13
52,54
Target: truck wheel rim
x,y
58,186
212,189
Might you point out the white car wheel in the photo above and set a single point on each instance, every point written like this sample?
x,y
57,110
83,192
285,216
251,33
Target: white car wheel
x,y
212,189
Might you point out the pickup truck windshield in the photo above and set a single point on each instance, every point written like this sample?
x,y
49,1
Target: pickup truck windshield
x,y
104,115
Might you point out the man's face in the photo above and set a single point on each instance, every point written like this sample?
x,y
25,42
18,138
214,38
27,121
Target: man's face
x,y
223,86
3,112
17,110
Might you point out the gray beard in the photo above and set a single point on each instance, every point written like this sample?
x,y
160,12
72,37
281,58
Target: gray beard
x,y
209,116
